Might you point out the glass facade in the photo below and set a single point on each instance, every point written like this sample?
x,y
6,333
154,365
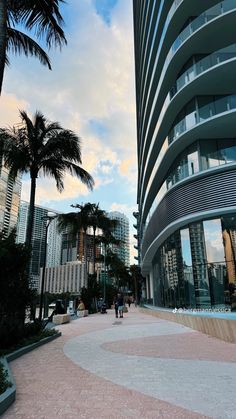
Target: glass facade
x,y
195,267
202,155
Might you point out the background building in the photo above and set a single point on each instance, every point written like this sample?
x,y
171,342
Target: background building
x,y
121,233
185,62
39,240
9,200
65,278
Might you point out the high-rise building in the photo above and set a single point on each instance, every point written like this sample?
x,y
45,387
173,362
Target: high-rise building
x,y
39,240
185,62
9,200
121,233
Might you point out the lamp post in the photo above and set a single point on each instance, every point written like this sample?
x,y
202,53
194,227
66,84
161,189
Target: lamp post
x,y
49,217
104,275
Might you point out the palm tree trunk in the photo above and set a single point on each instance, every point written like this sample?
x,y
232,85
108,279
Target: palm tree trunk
x,y
85,259
94,249
3,38
30,223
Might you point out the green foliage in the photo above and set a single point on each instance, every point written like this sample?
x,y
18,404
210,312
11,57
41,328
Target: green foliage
x,y
111,292
91,294
15,294
136,282
29,340
4,383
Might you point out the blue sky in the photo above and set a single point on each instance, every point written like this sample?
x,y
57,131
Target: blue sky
x,y
91,91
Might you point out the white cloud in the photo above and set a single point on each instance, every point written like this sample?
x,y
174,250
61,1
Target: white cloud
x,y
92,80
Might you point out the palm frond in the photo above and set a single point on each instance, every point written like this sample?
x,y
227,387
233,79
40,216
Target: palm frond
x,y
18,43
70,222
63,143
45,17
15,151
82,174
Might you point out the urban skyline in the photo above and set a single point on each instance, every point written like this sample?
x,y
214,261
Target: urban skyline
x,y
95,98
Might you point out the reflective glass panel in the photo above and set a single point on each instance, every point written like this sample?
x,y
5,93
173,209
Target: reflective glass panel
x,y
199,259
215,258
190,300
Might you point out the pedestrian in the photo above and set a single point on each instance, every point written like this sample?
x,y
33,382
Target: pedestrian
x,y
116,306
120,305
129,301
81,306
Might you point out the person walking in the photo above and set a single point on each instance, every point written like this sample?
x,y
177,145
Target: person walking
x,y
116,306
120,305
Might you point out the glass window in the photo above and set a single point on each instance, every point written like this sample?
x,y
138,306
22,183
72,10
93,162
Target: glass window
x,y
190,300
205,107
222,104
193,162
214,241
199,261
215,257
227,150
209,154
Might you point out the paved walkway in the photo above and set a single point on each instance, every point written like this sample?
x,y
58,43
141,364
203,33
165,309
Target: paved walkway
x,y
135,367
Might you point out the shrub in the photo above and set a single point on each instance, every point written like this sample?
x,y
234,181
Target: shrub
x,y
4,383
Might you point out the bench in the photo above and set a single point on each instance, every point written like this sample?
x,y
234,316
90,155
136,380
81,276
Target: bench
x,y
61,318
82,313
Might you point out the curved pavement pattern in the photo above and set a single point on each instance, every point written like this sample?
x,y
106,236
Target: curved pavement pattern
x,y
206,387
140,367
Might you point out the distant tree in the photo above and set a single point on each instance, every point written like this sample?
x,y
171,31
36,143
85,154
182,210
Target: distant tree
x,y
137,281
37,146
42,17
74,222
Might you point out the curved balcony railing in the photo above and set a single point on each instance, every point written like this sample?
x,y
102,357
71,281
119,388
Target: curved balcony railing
x,y
205,17
172,10
217,107
212,60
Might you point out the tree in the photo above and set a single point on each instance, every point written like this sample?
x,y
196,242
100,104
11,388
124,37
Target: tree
x,y
37,146
42,17
74,222
15,293
98,219
89,215
137,282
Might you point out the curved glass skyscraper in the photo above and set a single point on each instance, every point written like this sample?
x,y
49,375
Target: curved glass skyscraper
x,y
185,58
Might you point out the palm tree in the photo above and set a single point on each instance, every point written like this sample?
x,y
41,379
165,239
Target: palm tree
x,y
42,17
39,145
74,222
98,219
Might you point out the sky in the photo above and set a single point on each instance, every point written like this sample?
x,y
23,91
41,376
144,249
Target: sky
x,y
90,90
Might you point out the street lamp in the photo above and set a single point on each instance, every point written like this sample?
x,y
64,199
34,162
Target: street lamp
x,y
104,284
49,217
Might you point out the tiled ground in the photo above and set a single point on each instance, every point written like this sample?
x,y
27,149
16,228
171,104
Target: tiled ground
x,y
67,379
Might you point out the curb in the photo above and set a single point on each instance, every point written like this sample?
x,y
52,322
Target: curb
x,y
8,397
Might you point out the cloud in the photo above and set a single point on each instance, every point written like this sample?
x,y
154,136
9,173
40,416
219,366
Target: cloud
x,y
9,109
92,80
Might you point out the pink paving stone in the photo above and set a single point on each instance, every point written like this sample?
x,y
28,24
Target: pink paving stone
x,y
50,385
193,345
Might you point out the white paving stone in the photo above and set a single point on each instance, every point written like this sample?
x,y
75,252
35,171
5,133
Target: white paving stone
x,y
206,387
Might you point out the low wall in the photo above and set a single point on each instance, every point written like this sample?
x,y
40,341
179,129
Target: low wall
x,y
224,329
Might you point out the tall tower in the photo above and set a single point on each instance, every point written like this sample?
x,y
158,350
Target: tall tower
x,y
38,240
121,233
9,200
185,62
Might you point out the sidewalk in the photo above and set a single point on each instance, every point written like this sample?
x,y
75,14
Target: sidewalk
x,y
136,367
